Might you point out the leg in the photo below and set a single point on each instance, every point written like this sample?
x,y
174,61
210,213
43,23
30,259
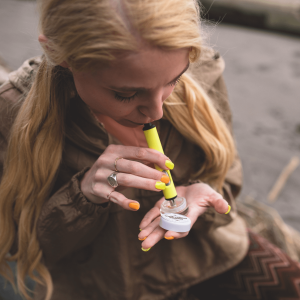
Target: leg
x,y
266,273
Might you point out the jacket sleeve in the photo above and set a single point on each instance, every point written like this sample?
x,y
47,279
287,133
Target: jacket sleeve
x,y
69,222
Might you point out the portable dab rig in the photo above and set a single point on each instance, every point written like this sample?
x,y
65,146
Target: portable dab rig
x,y
174,208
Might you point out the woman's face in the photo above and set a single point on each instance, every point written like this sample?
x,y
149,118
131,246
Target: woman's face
x,y
132,89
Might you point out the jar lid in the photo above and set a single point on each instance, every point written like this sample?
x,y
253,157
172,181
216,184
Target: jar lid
x,y
175,222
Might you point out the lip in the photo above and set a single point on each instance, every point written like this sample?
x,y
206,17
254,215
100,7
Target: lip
x,y
139,123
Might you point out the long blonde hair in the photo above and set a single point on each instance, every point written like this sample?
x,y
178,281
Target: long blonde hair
x,y
81,33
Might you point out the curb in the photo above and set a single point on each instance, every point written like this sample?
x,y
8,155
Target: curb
x,y
274,15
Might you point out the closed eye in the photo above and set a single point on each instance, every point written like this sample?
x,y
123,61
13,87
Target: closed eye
x,y
175,81
125,99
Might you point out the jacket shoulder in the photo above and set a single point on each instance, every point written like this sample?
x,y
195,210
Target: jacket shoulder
x,y
208,68
13,92
9,106
9,92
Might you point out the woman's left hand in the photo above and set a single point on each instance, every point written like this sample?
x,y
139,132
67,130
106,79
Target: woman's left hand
x,y
199,196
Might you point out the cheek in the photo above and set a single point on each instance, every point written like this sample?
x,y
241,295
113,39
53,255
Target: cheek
x,y
167,92
83,88
91,94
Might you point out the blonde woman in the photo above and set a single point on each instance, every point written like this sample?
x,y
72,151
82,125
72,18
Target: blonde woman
x,y
74,116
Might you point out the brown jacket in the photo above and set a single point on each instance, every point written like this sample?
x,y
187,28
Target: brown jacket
x,y
93,251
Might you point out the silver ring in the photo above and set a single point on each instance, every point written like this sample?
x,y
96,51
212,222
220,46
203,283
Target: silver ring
x,y
112,180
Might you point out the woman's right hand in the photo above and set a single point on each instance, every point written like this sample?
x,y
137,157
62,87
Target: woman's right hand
x,y
132,172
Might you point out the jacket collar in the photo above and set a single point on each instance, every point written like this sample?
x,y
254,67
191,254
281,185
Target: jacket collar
x,y
208,69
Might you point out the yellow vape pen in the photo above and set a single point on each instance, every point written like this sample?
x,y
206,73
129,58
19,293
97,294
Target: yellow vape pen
x,y
174,208
153,142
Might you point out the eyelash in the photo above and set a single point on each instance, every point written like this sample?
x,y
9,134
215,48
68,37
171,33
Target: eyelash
x,y
176,81
128,99
125,99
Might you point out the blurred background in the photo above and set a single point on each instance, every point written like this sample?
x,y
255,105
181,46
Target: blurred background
x,y
260,42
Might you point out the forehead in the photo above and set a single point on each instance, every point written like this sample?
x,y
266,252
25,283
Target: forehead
x,y
144,65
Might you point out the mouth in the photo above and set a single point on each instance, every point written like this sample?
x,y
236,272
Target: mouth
x,y
140,123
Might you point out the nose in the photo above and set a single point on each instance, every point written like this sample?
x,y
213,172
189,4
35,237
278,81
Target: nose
x,y
153,106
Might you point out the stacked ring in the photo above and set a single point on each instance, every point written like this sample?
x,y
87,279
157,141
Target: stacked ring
x,y
116,163
108,196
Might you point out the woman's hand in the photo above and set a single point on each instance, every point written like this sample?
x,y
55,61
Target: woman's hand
x,y
199,197
131,173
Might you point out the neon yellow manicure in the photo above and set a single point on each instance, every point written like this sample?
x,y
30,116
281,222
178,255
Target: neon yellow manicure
x,y
169,164
145,250
229,208
160,185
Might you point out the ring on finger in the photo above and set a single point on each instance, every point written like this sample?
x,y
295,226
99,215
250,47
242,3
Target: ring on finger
x,y
108,196
116,163
112,180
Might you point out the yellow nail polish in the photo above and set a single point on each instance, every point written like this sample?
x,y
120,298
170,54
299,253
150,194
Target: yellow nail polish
x,y
142,239
141,229
169,164
169,238
160,185
165,179
145,250
229,208
134,205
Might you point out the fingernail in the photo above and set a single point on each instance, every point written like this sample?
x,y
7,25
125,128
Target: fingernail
x,y
229,208
142,239
160,185
165,179
145,250
141,229
169,238
134,205
169,164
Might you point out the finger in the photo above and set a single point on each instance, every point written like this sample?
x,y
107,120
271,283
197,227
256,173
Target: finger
x,y
149,229
138,153
103,191
124,202
141,170
130,180
150,216
219,204
153,238
172,235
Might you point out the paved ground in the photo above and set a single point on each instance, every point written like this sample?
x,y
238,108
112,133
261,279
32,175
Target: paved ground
x,y
263,79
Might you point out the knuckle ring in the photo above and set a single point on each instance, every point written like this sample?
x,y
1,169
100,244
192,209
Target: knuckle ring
x,y
112,180
116,163
108,196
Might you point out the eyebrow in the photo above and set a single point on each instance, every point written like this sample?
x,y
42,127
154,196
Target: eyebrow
x,y
131,88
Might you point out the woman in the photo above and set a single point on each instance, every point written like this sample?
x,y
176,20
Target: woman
x,y
73,117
